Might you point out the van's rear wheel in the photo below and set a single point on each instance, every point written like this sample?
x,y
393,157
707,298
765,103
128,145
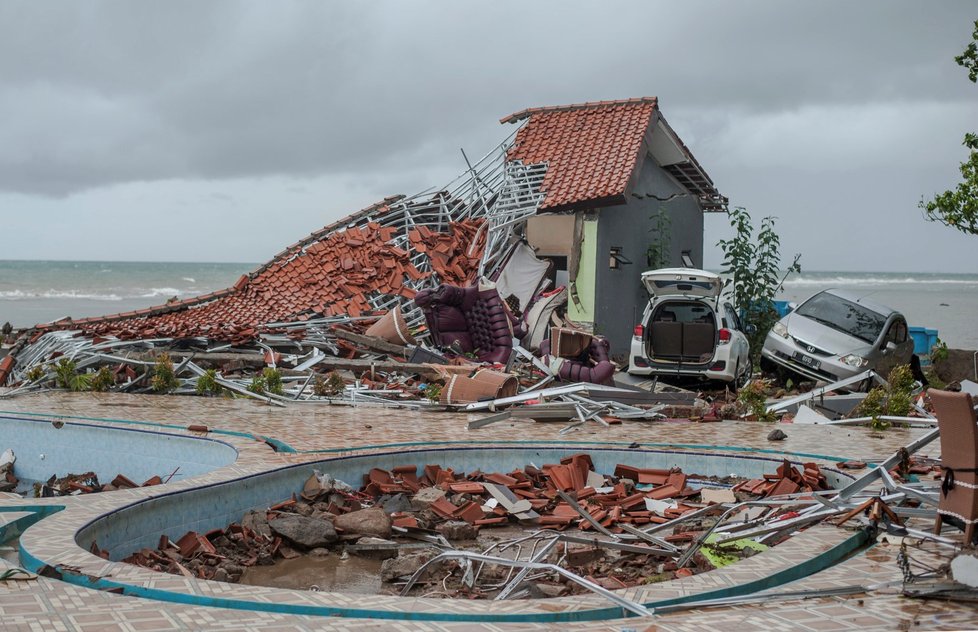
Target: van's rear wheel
x,y
741,380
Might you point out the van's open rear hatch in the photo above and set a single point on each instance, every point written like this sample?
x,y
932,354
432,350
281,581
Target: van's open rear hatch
x,y
682,331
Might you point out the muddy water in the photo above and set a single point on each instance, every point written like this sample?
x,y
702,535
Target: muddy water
x,y
354,574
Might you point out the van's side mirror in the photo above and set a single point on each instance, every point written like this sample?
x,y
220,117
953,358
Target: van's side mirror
x,y
750,329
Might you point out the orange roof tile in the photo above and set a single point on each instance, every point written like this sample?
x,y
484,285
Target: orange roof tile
x,y
592,149
333,272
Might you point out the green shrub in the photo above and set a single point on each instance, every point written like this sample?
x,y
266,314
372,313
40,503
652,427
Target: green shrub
x,y
331,385
257,385
433,392
273,380
67,376
207,383
103,380
893,401
164,379
35,373
753,397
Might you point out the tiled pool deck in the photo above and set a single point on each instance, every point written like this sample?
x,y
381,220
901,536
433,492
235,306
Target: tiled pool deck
x,y
318,432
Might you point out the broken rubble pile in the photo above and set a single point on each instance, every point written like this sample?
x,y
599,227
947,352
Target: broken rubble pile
x,y
8,482
787,480
67,485
437,505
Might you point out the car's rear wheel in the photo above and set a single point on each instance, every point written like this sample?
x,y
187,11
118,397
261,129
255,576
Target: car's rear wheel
x,y
741,379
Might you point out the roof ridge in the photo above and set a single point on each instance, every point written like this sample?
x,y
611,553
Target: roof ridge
x,y
587,105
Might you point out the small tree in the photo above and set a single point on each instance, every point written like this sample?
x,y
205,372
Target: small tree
x,y
207,383
273,380
657,254
896,400
958,208
164,379
102,380
754,263
67,376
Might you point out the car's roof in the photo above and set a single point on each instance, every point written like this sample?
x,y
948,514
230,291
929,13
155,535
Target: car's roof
x,y
855,297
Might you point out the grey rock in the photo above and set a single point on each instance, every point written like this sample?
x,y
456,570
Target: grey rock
x,y
458,530
365,522
405,564
257,522
306,532
397,502
377,548
303,509
426,496
221,575
776,435
548,591
319,552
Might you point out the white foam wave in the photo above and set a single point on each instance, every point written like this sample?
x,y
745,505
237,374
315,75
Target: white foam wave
x,y
189,279
846,280
19,295
160,291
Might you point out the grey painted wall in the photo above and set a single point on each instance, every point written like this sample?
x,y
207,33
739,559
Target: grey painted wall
x,y
619,294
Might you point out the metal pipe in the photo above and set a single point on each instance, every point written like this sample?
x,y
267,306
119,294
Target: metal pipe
x,y
618,600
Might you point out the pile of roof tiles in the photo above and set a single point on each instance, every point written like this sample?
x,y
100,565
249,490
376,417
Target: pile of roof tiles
x,y
406,501
787,480
219,554
454,255
609,502
88,483
335,275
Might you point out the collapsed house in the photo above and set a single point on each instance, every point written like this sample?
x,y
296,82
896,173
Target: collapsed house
x,y
567,200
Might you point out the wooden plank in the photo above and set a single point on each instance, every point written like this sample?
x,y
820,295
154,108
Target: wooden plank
x,y
371,342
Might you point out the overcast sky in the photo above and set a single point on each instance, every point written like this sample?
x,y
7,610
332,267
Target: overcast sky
x,y
223,131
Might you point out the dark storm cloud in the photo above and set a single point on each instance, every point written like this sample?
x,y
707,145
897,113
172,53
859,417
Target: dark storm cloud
x,y
101,93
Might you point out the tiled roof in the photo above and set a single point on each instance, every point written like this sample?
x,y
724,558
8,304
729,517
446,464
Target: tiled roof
x,y
332,272
592,149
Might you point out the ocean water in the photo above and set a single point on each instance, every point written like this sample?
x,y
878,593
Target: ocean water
x,y
41,291
34,292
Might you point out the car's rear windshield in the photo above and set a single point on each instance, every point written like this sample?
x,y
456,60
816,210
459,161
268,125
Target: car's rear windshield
x,y
845,316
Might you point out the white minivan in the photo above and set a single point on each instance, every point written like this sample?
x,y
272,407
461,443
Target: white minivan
x,y
689,329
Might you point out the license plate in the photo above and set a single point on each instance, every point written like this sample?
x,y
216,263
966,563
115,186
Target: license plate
x,y
808,361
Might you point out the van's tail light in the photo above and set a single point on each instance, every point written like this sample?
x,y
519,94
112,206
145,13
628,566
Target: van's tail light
x,y
724,336
639,331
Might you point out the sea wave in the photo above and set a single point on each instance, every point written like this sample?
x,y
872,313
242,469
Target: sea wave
x,y
19,295
108,294
161,291
869,280
189,279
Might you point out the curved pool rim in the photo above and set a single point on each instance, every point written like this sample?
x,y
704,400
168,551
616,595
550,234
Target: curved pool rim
x,y
431,612
111,450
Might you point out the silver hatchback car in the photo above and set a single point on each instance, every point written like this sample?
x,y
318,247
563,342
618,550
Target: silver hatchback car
x,y
837,334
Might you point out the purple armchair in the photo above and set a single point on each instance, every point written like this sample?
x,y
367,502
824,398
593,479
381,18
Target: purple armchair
x,y
591,366
476,318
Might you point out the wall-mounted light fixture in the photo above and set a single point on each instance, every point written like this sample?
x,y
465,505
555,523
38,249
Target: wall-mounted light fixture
x,y
616,260
688,259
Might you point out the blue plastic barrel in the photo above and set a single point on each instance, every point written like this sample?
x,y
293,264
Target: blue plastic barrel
x,y
924,340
